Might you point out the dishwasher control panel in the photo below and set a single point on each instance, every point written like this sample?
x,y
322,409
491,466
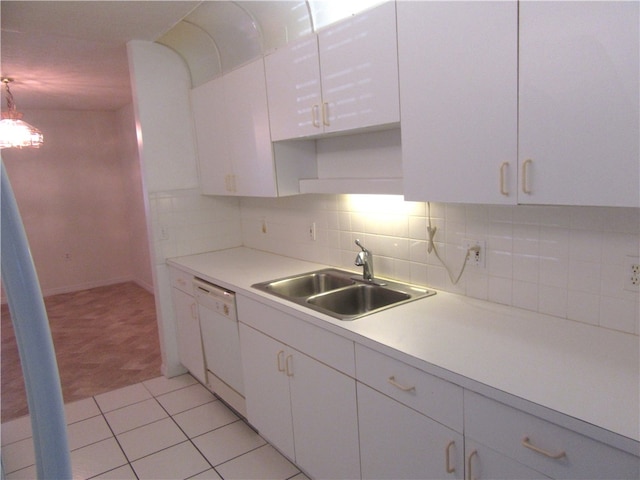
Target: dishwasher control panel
x,y
215,298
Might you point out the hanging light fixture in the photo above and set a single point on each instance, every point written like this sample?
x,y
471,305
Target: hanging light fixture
x,y
14,133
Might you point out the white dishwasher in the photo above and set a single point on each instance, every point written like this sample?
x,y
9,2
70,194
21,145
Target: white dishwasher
x,y
221,342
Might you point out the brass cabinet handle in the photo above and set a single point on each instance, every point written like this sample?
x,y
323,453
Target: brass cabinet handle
x,y
469,464
289,365
280,357
392,381
503,176
325,114
527,444
525,179
314,116
447,456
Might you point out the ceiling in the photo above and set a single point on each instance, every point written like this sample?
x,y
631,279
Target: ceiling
x,y
71,55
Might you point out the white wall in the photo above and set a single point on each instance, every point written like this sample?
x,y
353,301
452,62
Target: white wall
x,y
139,257
563,261
179,220
72,194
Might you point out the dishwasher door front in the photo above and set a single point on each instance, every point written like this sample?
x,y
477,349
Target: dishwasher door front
x,y
221,342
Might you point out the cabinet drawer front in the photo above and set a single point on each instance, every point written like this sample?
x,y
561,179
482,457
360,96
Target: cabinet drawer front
x,y
535,442
432,396
181,280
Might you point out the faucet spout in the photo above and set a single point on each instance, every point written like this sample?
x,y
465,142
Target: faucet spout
x,y
364,259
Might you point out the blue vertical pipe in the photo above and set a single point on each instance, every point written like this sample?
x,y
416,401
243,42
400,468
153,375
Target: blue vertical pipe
x,y
35,346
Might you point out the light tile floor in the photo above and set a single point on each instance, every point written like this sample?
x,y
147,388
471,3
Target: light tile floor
x,y
158,429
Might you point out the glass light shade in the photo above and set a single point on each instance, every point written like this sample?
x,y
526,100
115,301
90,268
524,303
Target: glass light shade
x,y
14,133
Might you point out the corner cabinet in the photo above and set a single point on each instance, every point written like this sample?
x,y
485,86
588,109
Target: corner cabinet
x,y
302,405
232,134
345,78
530,103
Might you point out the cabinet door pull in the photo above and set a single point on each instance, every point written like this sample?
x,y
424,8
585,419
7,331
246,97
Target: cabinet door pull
x,y
314,116
525,175
392,381
469,465
289,365
447,455
194,311
503,177
280,357
325,114
527,444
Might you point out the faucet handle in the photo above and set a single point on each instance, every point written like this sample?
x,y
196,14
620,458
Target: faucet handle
x,y
361,246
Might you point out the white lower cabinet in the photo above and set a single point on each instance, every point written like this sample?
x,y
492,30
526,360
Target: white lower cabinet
x,y
304,408
397,442
412,424
481,462
190,350
344,412
545,447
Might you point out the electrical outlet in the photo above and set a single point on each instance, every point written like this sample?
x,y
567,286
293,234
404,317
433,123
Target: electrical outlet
x,y
632,274
477,256
312,231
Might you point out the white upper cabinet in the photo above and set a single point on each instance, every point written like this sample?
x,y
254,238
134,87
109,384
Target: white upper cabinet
x,y
458,94
345,78
293,88
208,106
547,114
232,131
579,103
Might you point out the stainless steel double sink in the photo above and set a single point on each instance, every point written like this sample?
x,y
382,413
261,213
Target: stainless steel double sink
x,y
342,294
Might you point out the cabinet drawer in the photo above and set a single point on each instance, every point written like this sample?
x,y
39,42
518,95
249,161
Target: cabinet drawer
x,y
432,396
534,442
181,280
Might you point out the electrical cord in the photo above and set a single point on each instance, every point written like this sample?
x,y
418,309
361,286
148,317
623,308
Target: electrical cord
x,y
431,247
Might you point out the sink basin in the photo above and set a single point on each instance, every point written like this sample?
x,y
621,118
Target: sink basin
x,y
341,294
309,284
358,299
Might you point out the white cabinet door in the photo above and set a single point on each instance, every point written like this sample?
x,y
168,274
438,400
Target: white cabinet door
x,y
397,442
267,388
188,331
484,463
232,131
325,419
293,89
458,93
579,102
358,64
209,117
247,120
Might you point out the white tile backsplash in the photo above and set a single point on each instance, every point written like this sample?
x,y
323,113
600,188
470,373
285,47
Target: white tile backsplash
x,y
562,261
184,222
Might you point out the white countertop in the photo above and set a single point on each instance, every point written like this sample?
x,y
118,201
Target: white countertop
x,y
585,372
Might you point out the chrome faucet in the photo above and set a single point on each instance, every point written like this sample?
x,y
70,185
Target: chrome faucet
x,y
365,260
